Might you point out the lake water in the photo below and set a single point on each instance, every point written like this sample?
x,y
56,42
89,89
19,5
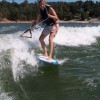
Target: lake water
x,y
77,77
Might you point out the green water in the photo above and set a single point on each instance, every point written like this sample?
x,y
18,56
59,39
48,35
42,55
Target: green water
x,y
77,78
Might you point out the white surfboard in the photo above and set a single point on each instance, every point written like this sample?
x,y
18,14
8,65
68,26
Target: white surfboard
x,y
44,60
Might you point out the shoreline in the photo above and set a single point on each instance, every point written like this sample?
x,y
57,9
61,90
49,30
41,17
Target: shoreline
x,y
95,20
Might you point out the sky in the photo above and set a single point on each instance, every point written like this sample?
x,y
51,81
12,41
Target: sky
x,y
30,1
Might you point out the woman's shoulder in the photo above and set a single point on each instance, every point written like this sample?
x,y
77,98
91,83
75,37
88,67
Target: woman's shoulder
x,y
48,6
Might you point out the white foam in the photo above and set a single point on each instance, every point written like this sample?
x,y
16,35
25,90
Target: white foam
x,y
4,96
76,36
90,82
62,61
20,51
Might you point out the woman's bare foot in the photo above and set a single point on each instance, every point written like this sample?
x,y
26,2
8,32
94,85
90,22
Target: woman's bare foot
x,y
43,55
49,58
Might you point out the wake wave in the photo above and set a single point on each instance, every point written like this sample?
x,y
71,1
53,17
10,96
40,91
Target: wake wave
x,y
76,36
22,49
20,53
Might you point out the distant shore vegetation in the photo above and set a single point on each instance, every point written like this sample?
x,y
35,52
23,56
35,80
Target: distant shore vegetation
x,y
66,10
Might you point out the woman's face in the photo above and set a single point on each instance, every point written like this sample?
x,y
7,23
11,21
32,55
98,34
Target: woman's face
x,y
42,4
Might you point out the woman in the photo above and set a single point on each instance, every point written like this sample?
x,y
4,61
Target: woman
x,y
50,19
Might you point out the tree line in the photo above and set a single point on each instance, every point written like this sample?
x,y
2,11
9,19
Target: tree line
x,y
66,10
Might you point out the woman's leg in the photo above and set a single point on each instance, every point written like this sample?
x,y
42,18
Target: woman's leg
x,y
41,39
51,37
